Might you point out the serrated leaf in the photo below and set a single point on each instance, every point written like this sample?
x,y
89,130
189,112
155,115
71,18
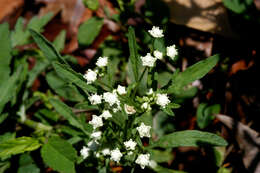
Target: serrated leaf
x,y
20,36
5,52
71,76
59,41
18,145
47,48
89,30
133,53
192,73
62,88
7,89
59,155
67,113
190,138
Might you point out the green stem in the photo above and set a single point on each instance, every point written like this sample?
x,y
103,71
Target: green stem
x,y
139,80
36,125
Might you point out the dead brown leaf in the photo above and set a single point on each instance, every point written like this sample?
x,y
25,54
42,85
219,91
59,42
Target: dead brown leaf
x,y
240,65
9,6
248,141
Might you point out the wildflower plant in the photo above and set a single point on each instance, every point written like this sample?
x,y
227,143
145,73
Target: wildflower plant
x,y
113,124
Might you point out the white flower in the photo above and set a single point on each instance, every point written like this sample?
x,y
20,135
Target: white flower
x,y
106,114
97,154
90,76
158,54
130,145
144,131
102,61
111,98
121,90
130,153
96,135
148,60
95,99
152,164
84,152
171,51
146,106
150,92
96,121
105,152
116,155
143,160
162,100
129,109
156,32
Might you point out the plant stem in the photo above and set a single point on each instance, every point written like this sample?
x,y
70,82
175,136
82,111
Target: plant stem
x,y
36,125
139,80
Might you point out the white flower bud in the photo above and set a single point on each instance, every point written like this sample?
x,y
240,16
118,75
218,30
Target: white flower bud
x,y
116,155
129,109
162,100
102,61
143,160
130,145
106,114
144,131
95,99
121,90
148,60
158,54
84,152
90,76
156,32
96,121
171,51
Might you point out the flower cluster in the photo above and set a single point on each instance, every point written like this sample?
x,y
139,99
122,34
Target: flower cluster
x,y
171,51
114,103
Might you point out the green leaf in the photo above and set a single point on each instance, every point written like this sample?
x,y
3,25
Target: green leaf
x,y
224,170
237,6
67,113
59,155
47,48
159,45
59,41
133,53
190,138
91,4
205,114
89,30
5,52
219,155
3,117
27,165
39,67
71,76
62,88
6,136
7,89
17,146
161,169
20,36
192,73
164,78
161,156
4,166
146,118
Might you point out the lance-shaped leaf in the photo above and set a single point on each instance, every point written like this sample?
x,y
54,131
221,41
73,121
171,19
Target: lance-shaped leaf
x,y
133,52
70,75
192,73
59,155
47,48
5,52
189,138
67,113
7,89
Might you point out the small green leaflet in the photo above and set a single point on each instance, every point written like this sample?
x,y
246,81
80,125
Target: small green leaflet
x,y
70,75
17,146
191,74
189,138
89,30
59,41
27,164
59,155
